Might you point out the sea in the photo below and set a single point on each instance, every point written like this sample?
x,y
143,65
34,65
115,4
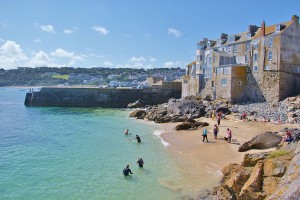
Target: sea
x,y
79,153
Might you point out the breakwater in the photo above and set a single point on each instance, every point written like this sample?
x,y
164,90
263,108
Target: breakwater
x,y
98,97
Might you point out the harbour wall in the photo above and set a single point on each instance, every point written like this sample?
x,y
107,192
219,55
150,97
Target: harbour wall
x,y
98,97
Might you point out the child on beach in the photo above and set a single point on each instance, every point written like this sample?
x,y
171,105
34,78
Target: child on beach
x,y
229,136
216,130
204,135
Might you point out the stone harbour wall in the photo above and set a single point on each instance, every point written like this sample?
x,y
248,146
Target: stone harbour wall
x,y
98,97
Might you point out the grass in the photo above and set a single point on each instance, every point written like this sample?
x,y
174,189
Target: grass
x,y
278,153
66,77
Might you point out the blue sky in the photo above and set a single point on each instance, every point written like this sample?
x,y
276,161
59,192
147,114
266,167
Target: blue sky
x,y
123,33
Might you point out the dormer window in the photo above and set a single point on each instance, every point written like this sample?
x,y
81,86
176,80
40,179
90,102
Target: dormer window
x,y
231,38
278,27
247,46
249,35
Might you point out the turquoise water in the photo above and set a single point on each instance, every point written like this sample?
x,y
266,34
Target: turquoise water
x,y
79,153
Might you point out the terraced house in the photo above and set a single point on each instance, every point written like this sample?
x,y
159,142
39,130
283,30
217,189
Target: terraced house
x,y
261,64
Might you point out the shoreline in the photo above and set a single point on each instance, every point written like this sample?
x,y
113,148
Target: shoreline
x,y
201,163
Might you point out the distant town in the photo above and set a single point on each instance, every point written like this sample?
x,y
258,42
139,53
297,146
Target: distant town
x,y
97,76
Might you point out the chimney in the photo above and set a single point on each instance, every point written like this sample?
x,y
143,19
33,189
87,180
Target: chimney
x,y
263,27
295,18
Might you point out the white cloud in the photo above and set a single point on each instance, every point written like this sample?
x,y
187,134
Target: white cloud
x,y
11,55
37,40
100,29
137,59
47,28
172,64
173,31
108,63
63,53
42,59
70,30
151,59
2,40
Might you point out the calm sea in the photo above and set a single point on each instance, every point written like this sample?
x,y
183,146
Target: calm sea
x,y
79,153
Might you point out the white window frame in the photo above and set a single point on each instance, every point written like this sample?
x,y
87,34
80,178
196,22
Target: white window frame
x,y
246,58
267,67
247,45
298,69
225,70
235,48
270,43
270,55
255,68
255,57
219,71
224,82
278,26
249,35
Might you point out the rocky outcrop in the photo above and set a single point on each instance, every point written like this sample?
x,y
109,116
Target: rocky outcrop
x,y
272,175
139,114
189,125
262,141
138,104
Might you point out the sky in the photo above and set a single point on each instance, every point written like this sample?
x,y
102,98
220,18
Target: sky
x,y
124,33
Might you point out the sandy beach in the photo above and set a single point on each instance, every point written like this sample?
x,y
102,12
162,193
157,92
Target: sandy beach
x,y
201,163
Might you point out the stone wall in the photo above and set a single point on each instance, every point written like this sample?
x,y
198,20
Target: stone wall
x,y
98,97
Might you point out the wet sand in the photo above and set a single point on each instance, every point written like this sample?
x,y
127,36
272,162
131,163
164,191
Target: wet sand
x,y
201,162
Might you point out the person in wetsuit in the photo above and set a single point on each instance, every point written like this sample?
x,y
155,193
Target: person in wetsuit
x,y
127,171
140,162
137,137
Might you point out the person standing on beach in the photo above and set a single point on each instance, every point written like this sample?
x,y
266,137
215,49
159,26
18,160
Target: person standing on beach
x,y
204,135
216,130
229,135
219,118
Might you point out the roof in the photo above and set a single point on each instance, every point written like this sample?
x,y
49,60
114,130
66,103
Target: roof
x,y
224,53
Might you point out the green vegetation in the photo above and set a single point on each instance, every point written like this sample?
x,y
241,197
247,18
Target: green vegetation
x,y
278,153
66,77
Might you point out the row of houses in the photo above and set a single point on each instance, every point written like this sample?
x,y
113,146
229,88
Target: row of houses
x,y
260,64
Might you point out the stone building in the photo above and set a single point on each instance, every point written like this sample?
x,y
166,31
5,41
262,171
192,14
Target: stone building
x,y
261,64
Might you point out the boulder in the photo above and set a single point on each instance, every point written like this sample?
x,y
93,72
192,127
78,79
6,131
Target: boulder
x,y
224,110
184,126
191,120
250,160
262,141
138,104
138,114
252,188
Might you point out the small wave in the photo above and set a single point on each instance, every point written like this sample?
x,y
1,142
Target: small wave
x,y
158,134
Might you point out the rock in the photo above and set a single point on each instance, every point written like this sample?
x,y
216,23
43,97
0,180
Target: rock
x,y
138,114
138,104
184,126
235,176
262,141
250,160
252,188
191,120
224,110
274,168
270,185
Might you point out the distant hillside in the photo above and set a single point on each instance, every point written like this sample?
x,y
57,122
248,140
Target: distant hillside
x,y
50,76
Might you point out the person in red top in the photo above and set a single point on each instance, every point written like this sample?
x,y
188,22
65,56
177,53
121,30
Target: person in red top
x,y
288,136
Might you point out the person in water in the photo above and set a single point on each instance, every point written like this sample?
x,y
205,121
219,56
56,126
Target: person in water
x,y
140,162
127,171
137,137
126,132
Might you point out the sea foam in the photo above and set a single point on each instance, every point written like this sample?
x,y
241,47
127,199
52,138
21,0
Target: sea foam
x,y
158,134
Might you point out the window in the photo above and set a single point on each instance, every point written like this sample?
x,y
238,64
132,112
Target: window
x,y
231,39
212,84
267,67
246,58
209,60
225,71
235,48
219,70
200,57
249,35
247,46
248,69
224,82
298,69
240,82
255,57
228,48
270,42
255,68
278,27
270,55
214,59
